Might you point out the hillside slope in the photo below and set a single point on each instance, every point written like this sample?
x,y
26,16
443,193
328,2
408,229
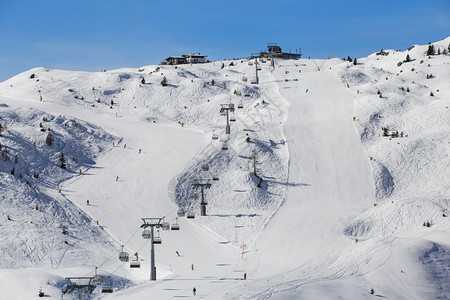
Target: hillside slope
x,y
340,208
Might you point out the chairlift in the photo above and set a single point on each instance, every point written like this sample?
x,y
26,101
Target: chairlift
x,y
205,167
123,255
97,278
244,79
191,215
180,213
135,263
165,226
214,136
232,119
157,239
224,147
258,67
107,288
175,226
215,177
250,63
253,82
247,95
223,113
146,234
240,105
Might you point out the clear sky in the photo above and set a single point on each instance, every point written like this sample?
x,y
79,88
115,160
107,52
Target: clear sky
x,y
93,35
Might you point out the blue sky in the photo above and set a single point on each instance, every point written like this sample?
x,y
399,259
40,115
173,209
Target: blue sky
x,y
93,35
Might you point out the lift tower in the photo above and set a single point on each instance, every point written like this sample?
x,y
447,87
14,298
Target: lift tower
x,y
256,55
202,184
82,284
153,222
225,108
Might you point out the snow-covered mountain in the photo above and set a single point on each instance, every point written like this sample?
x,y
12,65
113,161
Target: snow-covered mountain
x,y
351,190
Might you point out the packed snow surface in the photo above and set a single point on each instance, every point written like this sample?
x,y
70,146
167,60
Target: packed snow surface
x,y
334,181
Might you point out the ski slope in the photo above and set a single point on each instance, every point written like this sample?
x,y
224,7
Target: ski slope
x,y
340,209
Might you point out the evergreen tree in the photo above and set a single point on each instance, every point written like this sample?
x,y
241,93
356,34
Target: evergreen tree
x,y
430,50
143,80
50,139
13,171
62,161
355,62
213,82
164,81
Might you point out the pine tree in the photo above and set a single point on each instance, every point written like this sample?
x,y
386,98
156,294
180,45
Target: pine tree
x,y
62,161
430,50
213,82
143,80
50,139
13,171
355,62
164,81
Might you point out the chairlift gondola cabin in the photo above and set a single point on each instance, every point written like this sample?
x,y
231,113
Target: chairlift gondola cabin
x,y
97,278
232,119
175,226
181,213
214,136
123,255
205,167
107,288
258,67
191,215
165,226
135,263
240,105
157,239
215,177
224,147
253,82
146,234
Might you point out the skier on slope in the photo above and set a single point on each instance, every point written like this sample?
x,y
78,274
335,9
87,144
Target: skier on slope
x,y
245,276
194,291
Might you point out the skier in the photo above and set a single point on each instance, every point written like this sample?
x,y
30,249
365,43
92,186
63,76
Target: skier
x,y
307,91
194,290
87,202
178,253
245,276
125,145
192,267
139,151
117,178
